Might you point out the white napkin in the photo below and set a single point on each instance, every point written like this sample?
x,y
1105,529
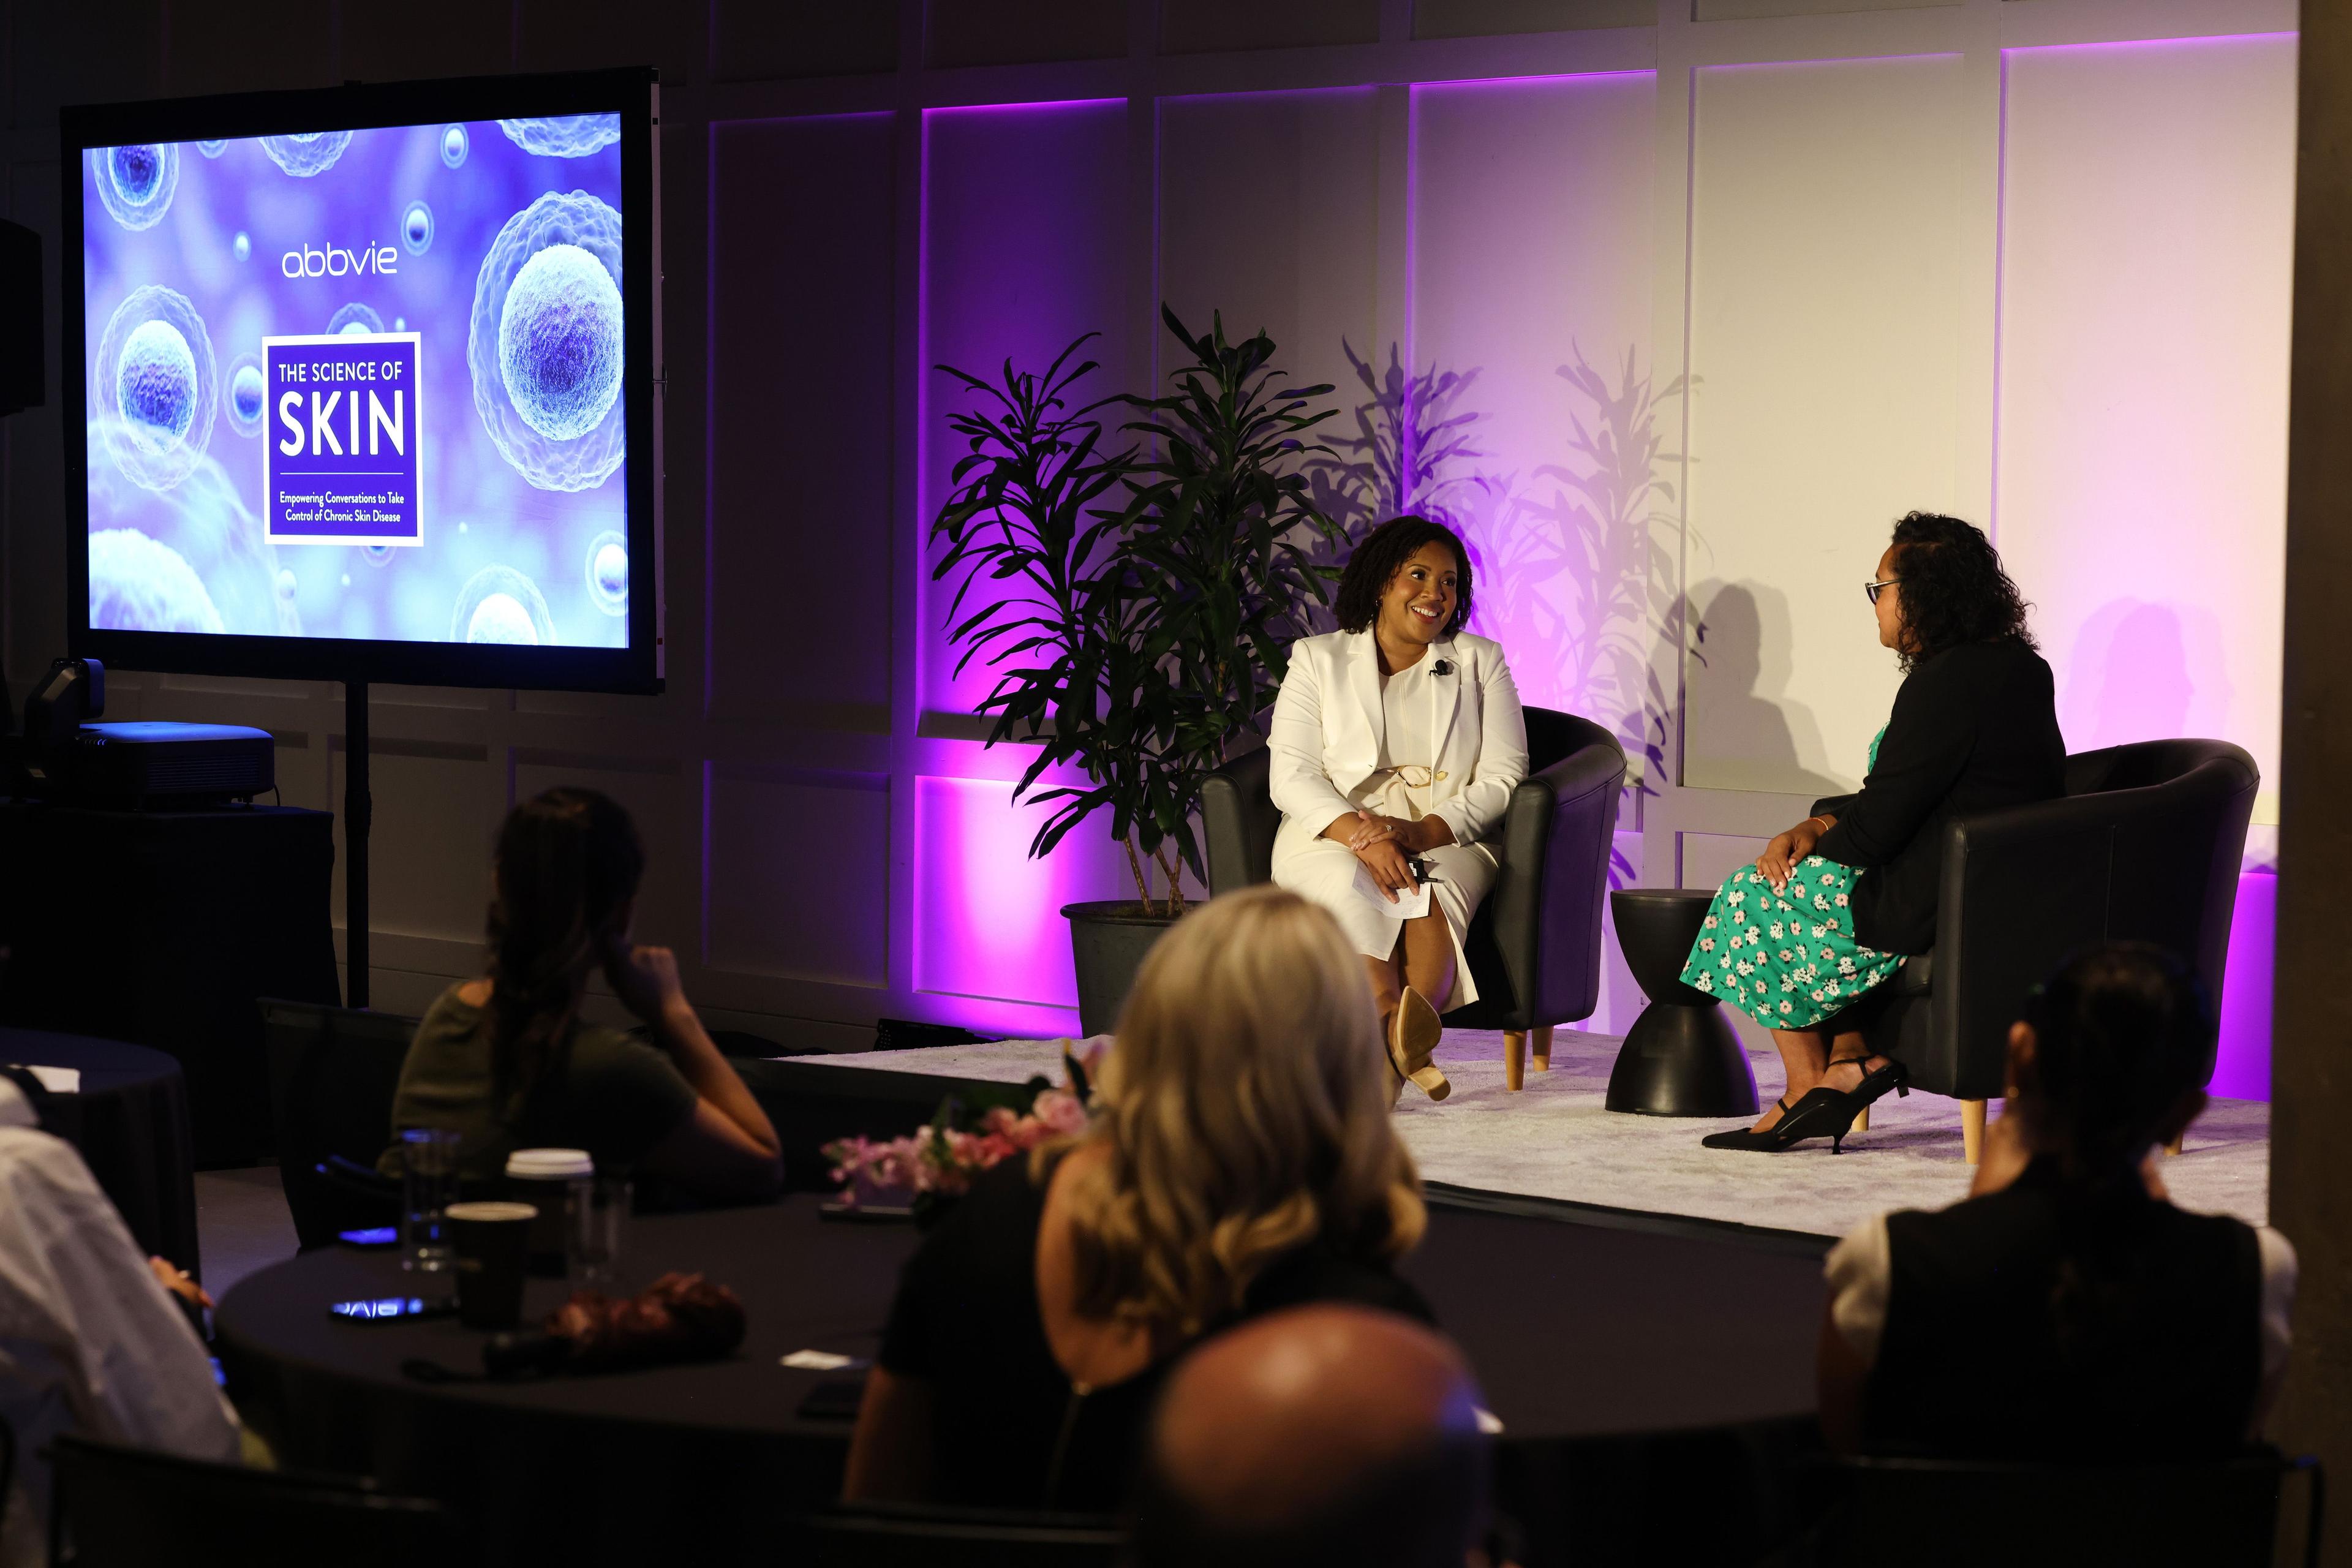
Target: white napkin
x,y
57,1081
1408,906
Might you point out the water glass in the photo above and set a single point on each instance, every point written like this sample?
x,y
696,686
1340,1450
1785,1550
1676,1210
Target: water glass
x,y
428,1159
597,1212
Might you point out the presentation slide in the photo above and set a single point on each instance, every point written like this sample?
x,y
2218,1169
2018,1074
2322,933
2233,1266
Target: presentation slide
x,y
360,384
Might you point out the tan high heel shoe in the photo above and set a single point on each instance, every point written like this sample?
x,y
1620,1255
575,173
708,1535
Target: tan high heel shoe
x,y
1413,1032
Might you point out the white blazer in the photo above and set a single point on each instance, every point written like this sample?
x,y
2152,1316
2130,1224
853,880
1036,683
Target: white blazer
x,y
1326,735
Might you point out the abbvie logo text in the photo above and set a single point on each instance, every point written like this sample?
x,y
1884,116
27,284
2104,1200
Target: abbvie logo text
x,y
310,261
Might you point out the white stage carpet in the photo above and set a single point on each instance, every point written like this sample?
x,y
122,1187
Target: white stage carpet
x,y
1554,1140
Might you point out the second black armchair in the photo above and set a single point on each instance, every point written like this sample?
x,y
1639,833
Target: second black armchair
x,y
1535,946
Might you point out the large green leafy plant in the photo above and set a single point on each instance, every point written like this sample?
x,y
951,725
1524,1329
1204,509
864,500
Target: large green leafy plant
x,y
1154,589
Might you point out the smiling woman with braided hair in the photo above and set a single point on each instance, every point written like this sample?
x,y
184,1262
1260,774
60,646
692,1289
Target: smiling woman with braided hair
x,y
2067,1309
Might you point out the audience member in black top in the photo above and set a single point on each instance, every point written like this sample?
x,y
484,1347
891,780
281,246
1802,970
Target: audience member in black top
x,y
1326,1434
2067,1309
1974,728
1241,1158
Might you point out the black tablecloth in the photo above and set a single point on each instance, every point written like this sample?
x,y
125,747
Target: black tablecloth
x,y
161,928
1634,1374
130,1123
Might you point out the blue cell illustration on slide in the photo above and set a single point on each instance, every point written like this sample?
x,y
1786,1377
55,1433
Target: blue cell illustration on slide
x,y
498,604
309,153
354,319
204,525
154,386
564,135
136,183
212,149
139,585
608,572
247,399
545,342
467,276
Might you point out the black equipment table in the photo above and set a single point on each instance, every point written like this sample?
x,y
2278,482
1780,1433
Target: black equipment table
x,y
130,1120
1653,1387
161,928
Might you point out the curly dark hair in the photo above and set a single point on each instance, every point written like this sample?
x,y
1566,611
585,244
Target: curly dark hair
x,y
1955,590
1375,562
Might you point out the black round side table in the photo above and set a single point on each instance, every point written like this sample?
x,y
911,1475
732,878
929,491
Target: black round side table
x,y
1681,1057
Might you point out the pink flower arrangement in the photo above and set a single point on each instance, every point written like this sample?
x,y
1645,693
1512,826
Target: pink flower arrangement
x,y
942,1160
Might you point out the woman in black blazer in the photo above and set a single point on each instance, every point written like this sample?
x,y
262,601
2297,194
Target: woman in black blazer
x,y
1833,906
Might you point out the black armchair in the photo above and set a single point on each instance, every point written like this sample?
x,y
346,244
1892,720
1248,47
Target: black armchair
x,y
1535,946
332,1074
2145,846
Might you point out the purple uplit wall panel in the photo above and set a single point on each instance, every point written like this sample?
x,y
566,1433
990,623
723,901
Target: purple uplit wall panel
x,y
1530,343
799,414
988,920
2244,1068
2148,216
1268,213
1022,251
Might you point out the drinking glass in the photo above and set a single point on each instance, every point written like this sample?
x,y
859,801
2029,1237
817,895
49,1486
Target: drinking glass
x,y
598,1212
428,1159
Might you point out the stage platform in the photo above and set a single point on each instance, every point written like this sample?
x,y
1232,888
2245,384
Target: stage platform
x,y
1552,1147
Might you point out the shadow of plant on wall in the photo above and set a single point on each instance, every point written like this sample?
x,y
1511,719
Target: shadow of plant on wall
x,y
1413,449
1576,579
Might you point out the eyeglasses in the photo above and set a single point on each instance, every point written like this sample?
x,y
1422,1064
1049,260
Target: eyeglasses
x,y
1872,590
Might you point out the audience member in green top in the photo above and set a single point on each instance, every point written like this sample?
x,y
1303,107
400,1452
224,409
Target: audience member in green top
x,y
506,1063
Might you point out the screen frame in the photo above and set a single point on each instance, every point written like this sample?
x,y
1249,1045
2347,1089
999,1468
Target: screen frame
x,y
634,93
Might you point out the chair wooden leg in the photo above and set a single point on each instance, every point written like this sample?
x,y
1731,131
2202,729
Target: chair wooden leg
x,y
2174,1147
1862,1120
1972,1125
1541,1041
1514,1060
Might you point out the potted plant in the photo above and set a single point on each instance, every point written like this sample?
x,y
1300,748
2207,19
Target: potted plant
x,y
1144,639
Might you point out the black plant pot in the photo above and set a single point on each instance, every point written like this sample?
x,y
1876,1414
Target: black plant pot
x,y
1108,940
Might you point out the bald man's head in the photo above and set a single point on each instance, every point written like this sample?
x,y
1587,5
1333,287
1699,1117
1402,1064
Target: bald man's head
x,y
1326,1433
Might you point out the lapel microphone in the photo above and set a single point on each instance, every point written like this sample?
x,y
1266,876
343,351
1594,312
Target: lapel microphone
x,y
1443,666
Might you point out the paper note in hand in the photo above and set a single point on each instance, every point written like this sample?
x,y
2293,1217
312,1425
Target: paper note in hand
x,y
1408,906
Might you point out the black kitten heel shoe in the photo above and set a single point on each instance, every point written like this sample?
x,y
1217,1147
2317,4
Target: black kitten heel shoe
x,y
1741,1137
1874,1084
1822,1113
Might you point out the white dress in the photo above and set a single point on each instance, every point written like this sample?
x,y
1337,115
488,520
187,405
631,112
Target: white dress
x,y
1404,786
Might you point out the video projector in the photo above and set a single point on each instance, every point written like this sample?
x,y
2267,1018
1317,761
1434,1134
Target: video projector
x,y
154,762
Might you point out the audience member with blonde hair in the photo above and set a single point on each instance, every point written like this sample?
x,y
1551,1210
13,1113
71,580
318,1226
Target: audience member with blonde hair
x,y
1241,1160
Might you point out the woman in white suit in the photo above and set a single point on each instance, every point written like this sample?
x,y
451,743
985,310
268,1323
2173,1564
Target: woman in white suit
x,y
1396,743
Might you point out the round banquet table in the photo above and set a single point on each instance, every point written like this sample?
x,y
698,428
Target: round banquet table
x,y
131,1122
1660,1381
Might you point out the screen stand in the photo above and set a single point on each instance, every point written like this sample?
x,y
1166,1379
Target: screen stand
x,y
356,812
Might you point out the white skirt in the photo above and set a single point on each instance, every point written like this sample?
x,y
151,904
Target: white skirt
x,y
1324,872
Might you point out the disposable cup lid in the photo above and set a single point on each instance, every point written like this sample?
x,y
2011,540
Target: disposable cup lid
x,y
549,1165
490,1210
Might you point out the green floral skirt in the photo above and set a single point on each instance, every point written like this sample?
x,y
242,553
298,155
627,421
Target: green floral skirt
x,y
1788,960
